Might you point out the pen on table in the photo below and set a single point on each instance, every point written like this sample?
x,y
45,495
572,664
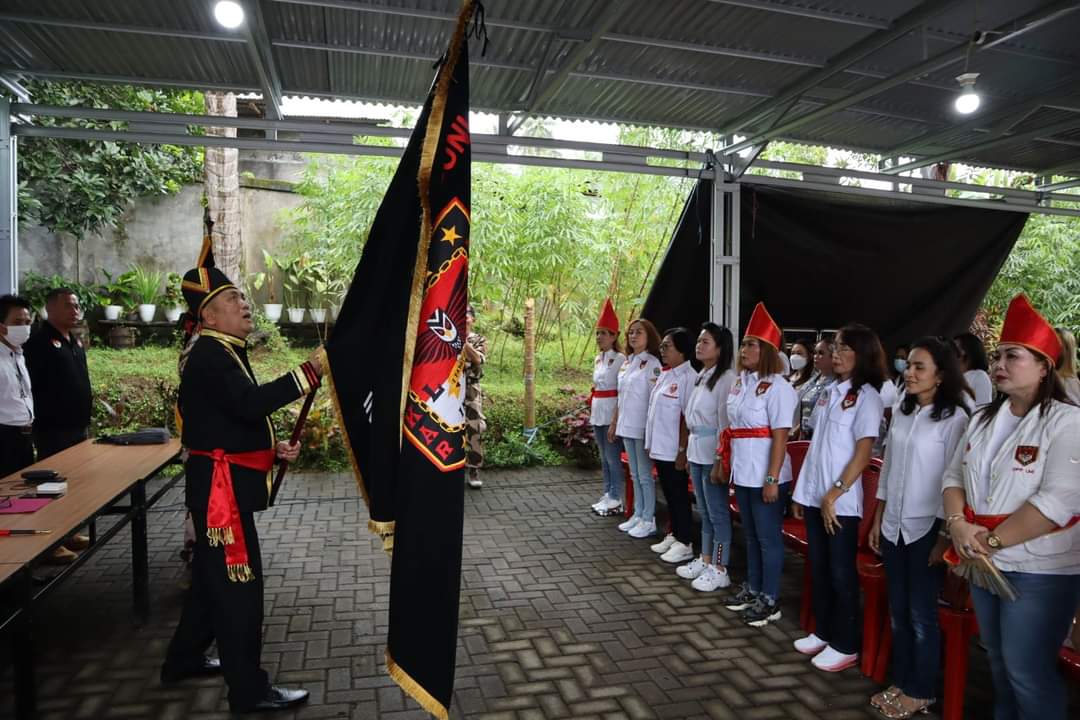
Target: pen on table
x,y
5,533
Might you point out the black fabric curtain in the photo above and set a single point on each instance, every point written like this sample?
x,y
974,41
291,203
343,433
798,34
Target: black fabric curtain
x,y
680,293
906,269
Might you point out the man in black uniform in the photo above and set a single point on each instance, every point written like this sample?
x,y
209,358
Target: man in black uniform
x,y
231,446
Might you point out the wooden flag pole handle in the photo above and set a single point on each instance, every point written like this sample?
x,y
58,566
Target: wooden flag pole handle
x,y
297,431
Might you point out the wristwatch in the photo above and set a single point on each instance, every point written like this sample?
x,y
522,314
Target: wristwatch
x,y
839,485
993,541
770,480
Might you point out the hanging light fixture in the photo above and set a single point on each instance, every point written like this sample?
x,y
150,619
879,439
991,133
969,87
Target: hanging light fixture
x,y
968,100
229,13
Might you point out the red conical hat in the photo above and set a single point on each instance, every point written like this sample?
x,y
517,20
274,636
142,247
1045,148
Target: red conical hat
x,y
608,319
1025,326
763,327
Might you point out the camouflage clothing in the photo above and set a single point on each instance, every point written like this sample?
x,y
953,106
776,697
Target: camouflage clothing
x,y
475,424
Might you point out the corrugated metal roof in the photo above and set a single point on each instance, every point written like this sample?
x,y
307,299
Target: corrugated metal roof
x,y
681,63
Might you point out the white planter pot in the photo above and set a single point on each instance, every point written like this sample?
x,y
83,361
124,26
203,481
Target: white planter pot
x,y
318,315
146,312
112,312
273,311
334,310
173,314
296,315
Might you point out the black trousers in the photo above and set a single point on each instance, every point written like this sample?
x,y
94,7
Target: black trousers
x,y
50,441
673,483
230,612
835,580
16,450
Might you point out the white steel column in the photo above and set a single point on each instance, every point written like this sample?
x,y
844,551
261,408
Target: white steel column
x,y
9,204
724,275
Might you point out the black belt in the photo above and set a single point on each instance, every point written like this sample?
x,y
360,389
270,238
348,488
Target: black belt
x,y
20,429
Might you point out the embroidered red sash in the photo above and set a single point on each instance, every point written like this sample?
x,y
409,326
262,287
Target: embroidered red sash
x,y
737,434
991,523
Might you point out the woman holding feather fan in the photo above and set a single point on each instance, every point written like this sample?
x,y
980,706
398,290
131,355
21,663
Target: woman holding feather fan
x,y
1012,500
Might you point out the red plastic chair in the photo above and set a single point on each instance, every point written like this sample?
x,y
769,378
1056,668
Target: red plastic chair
x,y
958,626
1070,663
871,577
794,533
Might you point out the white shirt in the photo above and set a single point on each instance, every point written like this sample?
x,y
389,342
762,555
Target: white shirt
x,y
919,449
1037,463
637,376
605,376
16,397
1004,425
706,415
980,383
1072,388
667,404
839,421
756,403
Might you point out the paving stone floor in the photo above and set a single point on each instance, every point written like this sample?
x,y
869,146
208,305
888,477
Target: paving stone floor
x,y
561,617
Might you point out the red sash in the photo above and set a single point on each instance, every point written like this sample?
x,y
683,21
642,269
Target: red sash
x,y
594,393
223,525
991,523
737,434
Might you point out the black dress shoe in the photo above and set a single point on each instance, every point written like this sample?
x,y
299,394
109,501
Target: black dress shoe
x,y
277,698
209,666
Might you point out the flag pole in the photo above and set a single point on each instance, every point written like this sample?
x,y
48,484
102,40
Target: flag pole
x,y
298,429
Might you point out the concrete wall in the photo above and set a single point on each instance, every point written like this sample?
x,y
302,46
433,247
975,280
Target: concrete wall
x,y
165,233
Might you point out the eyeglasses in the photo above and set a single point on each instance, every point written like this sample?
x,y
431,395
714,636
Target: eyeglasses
x,y
665,345
841,348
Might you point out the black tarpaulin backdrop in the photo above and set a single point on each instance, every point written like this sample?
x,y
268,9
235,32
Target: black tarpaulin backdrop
x,y
821,259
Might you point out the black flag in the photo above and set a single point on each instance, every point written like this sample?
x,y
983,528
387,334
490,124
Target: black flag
x,y
396,368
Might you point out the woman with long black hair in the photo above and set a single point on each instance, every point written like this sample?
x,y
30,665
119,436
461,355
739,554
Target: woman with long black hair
x,y
927,427
846,422
973,362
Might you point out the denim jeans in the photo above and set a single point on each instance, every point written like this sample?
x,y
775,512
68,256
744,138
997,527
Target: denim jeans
x,y
712,502
913,587
673,483
835,580
762,524
1022,640
641,474
609,462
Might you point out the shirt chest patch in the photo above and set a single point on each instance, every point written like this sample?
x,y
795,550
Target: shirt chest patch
x,y
655,371
1026,454
57,344
736,389
849,400
762,388
673,389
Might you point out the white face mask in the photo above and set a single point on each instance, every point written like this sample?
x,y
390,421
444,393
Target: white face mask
x,y
798,362
17,335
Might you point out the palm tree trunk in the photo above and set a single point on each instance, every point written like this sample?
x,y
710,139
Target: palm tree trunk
x,y
222,185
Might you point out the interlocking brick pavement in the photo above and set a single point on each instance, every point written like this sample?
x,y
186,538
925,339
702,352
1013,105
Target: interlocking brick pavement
x,y
562,616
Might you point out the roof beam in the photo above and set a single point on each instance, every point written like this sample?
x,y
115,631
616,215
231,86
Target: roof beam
x,y
513,124
1054,187
860,50
1008,31
806,12
962,152
1066,168
261,55
423,57
417,13
117,28
131,80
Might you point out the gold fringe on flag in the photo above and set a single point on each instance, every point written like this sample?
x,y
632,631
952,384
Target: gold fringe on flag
x,y
240,573
415,689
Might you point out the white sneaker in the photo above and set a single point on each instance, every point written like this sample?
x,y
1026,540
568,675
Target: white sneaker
x,y
692,570
810,645
608,505
664,545
831,660
596,506
629,524
643,529
678,553
711,580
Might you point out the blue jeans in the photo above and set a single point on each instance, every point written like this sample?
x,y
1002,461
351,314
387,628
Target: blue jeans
x,y
641,474
762,524
835,580
609,462
712,502
1022,640
913,586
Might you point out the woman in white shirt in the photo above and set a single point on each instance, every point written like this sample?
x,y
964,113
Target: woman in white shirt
x,y
753,454
637,376
1066,365
974,364
829,489
1012,495
666,440
927,426
604,397
706,418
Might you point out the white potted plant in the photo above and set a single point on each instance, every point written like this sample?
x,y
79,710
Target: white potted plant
x,y
318,284
115,295
147,286
271,308
173,298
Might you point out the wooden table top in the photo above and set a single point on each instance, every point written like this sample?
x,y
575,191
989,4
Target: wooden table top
x,y
96,475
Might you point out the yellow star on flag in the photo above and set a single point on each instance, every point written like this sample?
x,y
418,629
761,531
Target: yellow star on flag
x,y
450,234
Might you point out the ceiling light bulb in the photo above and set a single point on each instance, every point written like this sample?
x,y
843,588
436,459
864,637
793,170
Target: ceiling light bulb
x,y
968,101
229,13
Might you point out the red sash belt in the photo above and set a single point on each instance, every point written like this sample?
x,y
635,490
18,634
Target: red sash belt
x,y
601,394
991,523
223,525
737,434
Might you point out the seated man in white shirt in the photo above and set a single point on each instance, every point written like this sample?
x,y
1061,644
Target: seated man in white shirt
x,y
16,399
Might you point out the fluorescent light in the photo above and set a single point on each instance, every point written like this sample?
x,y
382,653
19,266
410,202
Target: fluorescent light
x,y
229,13
968,100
